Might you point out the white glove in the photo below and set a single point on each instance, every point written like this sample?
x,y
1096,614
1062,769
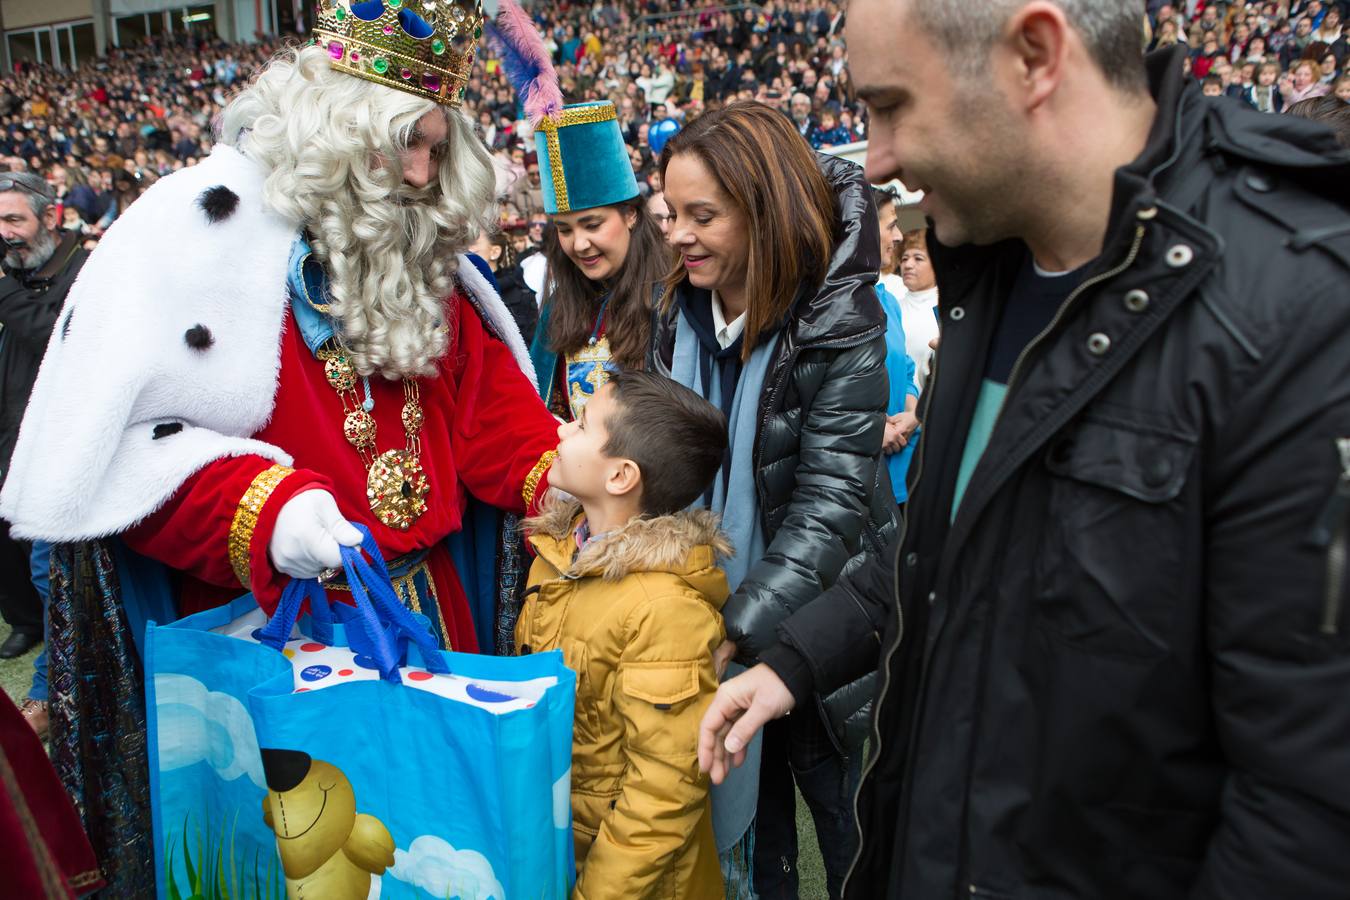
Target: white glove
x,y
309,535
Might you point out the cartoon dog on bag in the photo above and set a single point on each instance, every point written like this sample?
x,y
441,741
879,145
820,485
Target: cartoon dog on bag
x,y
328,850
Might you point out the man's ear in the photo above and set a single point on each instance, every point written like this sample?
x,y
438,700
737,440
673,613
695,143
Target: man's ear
x,y
624,478
49,219
1037,36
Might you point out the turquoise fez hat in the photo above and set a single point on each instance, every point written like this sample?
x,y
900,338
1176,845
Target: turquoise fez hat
x,y
583,162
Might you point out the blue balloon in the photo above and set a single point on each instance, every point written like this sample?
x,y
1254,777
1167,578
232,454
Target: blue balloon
x,y
658,134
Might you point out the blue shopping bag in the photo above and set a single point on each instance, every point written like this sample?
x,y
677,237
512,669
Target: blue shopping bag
x,y
265,782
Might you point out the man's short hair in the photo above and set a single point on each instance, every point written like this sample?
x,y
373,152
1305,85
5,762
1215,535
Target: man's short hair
x,y
34,188
1112,30
677,438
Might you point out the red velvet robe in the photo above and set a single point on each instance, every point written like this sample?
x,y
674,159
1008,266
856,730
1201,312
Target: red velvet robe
x,y
486,431
44,853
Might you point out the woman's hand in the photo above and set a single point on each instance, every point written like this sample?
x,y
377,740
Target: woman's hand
x,y
899,429
907,421
892,440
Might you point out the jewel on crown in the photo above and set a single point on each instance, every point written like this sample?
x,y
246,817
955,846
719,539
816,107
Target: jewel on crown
x,y
424,47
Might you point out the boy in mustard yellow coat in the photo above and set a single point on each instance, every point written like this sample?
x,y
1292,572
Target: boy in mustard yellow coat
x,y
626,583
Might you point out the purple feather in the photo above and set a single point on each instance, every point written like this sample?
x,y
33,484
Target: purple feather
x,y
525,62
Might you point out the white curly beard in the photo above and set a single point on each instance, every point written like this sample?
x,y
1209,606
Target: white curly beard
x,y
389,267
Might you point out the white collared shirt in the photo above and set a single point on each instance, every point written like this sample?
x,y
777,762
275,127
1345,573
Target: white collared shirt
x,y
726,332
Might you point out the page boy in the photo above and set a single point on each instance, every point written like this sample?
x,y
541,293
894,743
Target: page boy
x,y
626,583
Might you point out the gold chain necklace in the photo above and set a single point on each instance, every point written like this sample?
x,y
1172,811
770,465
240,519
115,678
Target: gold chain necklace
x,y
396,485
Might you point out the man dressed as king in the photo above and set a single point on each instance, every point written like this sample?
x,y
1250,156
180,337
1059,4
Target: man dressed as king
x,y
287,338
264,349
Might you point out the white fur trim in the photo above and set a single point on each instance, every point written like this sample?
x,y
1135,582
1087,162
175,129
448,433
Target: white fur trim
x,y
86,465
491,303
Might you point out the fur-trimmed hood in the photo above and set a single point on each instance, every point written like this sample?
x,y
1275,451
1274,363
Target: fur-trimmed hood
x,y
686,543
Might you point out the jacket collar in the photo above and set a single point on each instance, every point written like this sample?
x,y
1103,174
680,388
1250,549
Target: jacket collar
x,y
65,251
682,543
1135,189
309,292
844,306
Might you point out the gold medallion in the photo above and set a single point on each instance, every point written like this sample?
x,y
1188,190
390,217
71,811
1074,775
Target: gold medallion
x,y
397,488
413,417
359,429
396,483
340,372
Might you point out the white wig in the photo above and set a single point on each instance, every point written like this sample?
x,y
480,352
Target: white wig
x,y
330,143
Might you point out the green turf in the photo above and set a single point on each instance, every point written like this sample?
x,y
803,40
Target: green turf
x,y
810,870
17,674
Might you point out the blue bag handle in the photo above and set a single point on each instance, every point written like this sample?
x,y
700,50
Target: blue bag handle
x,y
387,623
386,626
278,629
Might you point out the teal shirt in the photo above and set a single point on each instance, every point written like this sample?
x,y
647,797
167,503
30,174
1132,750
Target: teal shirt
x,y
987,408
1031,306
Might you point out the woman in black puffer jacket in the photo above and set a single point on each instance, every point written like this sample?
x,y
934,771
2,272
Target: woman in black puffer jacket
x,y
773,316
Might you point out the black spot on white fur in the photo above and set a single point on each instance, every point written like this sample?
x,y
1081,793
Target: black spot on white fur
x,y
65,325
219,203
167,428
199,337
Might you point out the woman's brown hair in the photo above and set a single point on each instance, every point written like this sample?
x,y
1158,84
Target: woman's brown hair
x,y
574,300
770,173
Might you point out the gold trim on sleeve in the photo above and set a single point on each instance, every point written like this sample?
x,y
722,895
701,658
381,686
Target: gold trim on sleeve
x,y
532,479
246,519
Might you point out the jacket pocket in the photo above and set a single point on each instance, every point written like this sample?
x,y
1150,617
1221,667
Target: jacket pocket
x,y
1111,569
659,699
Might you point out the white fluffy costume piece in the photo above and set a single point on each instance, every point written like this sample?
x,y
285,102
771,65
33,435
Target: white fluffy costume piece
x,y
174,323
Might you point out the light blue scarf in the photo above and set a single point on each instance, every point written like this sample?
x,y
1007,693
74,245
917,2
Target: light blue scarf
x,y
737,502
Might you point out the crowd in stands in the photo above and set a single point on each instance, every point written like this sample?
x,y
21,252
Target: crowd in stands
x,y
103,133
1271,55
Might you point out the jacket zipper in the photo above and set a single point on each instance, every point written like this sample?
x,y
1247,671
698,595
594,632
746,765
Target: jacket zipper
x,y
900,633
895,645
1334,520
1060,313
1064,307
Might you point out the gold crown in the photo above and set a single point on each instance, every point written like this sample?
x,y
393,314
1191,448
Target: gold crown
x,y
424,47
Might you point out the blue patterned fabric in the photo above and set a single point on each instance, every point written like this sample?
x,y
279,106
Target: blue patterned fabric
x,y
98,738
587,370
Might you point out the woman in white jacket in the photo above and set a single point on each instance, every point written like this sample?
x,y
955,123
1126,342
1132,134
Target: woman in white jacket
x,y
918,302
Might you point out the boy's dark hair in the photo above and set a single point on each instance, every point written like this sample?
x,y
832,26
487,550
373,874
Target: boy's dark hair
x,y
1328,109
676,438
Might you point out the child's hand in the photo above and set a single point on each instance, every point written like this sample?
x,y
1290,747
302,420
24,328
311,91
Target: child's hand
x,y
722,656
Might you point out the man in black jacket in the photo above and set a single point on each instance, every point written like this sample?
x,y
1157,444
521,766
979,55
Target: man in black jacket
x,y
40,264
1114,640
